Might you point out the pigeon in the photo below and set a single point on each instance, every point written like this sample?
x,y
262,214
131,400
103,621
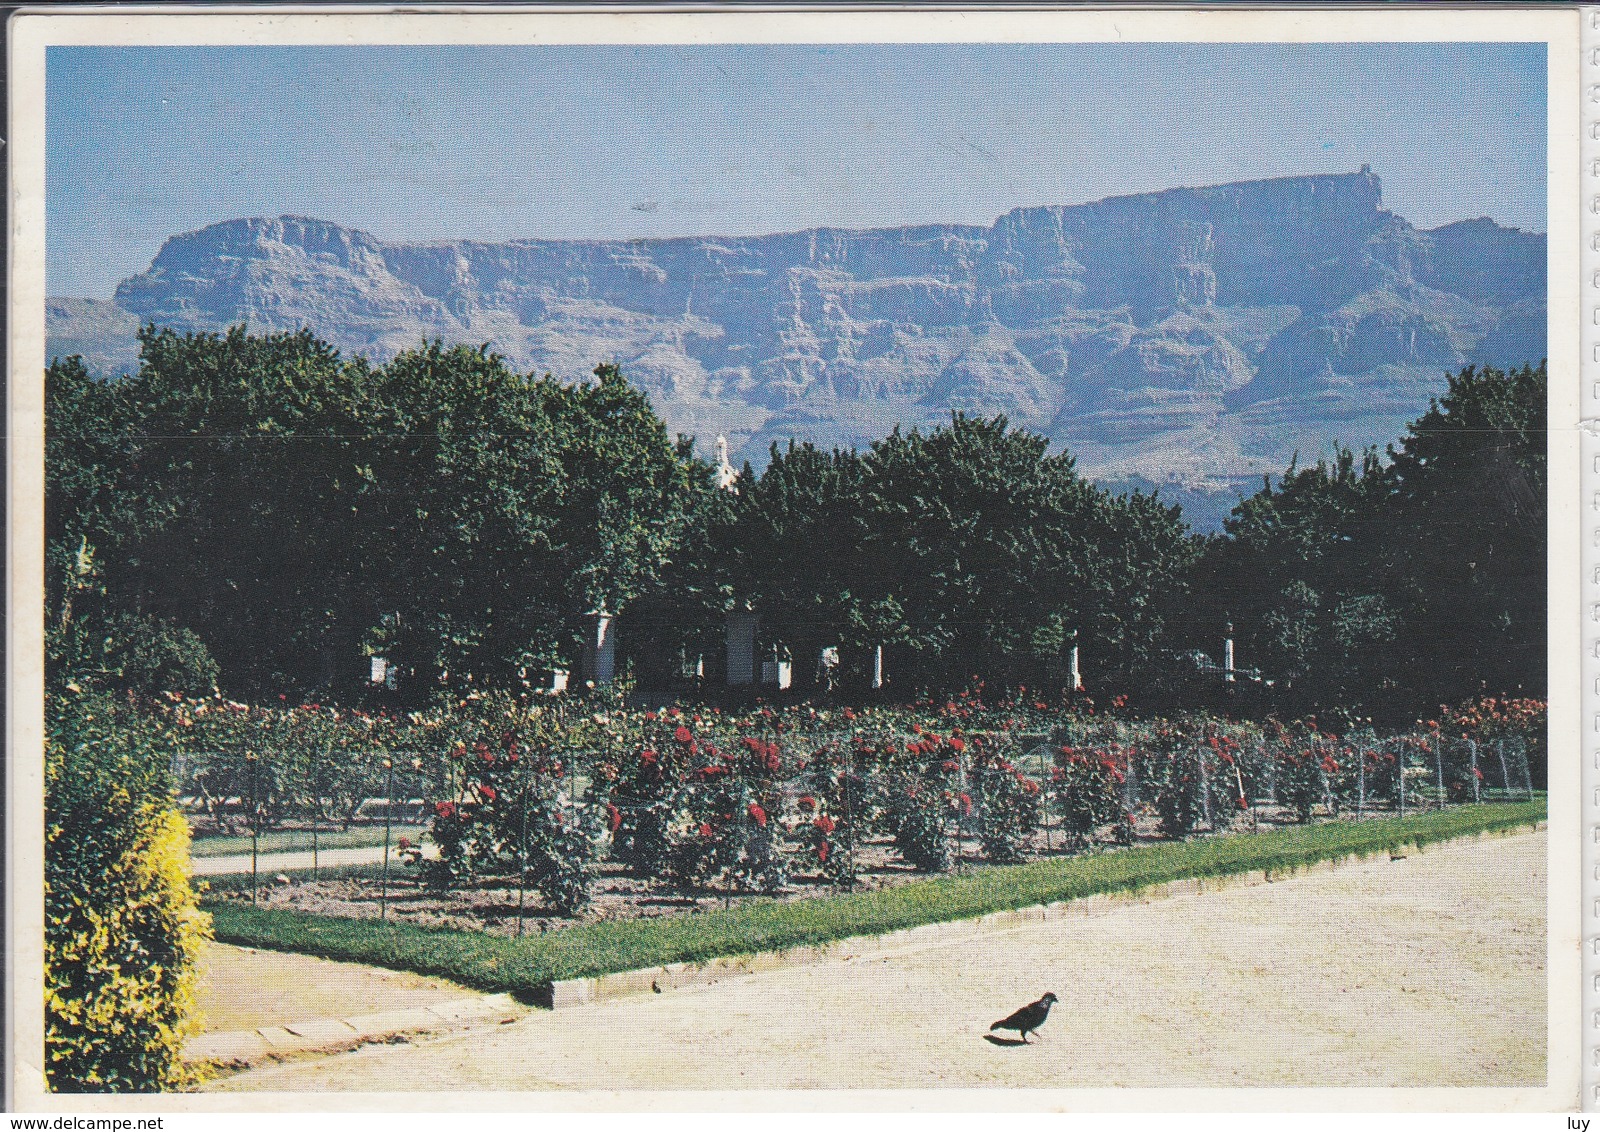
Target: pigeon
x,y
1029,1018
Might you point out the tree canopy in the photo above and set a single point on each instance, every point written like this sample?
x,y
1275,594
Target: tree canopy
x,y
293,509
260,512
1399,583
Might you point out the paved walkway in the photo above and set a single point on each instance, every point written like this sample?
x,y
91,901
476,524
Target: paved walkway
x,y
257,1004
269,863
1428,970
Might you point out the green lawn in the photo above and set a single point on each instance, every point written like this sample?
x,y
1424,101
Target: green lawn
x,y
299,840
527,966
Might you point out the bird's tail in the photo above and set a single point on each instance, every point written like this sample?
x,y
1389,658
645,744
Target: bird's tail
x,y
996,1026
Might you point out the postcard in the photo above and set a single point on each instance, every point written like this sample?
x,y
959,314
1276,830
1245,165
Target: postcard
x,y
894,560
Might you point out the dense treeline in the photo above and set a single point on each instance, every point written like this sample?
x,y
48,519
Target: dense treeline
x,y
260,513
1396,583
967,552
264,504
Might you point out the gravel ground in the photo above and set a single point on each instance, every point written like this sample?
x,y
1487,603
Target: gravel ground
x,y
1428,970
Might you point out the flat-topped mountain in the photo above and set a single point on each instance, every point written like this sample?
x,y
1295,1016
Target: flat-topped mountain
x,y
1192,338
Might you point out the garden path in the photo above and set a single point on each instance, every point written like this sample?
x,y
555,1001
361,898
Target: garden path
x,y
269,863
255,1004
1428,970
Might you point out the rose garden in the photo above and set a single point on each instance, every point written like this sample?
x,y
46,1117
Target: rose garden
x,y
510,814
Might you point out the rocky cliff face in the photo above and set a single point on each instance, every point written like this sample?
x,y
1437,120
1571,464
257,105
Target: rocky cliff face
x,y
1193,338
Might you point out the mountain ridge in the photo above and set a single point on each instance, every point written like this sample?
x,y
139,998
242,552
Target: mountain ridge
x,y
1192,337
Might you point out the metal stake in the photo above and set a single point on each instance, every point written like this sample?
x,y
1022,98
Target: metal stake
x,y
316,813
522,863
255,825
1438,756
388,818
849,815
1400,775
1361,784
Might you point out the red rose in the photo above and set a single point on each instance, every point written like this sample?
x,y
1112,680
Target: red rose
x,y
404,843
613,817
488,793
806,802
445,809
958,744
966,803
683,735
757,815
822,851
705,829
824,823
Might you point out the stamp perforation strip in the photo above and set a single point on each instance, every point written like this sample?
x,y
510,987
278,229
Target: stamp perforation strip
x,y
1590,258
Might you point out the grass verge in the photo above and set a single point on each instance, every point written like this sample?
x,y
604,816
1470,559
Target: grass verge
x,y
526,967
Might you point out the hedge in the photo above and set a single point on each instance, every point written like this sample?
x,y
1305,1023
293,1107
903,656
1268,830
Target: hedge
x,y
123,931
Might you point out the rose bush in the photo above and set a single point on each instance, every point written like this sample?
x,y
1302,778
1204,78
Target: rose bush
x,y
1086,789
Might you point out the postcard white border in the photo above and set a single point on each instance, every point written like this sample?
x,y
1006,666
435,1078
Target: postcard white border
x,y
33,30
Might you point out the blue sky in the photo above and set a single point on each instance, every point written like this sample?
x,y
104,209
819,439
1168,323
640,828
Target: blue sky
x,y
504,142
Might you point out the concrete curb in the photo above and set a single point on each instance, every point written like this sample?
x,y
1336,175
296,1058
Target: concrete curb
x,y
246,1047
566,993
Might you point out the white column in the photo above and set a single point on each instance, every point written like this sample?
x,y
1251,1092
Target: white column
x,y
599,648
742,626
1227,655
777,672
877,667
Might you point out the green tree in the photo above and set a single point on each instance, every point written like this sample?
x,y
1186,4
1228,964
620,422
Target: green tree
x,y
291,509
1398,585
982,553
1296,575
627,494
452,499
791,545
1464,537
200,489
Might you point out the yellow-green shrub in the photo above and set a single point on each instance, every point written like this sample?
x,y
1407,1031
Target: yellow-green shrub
x,y
122,929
